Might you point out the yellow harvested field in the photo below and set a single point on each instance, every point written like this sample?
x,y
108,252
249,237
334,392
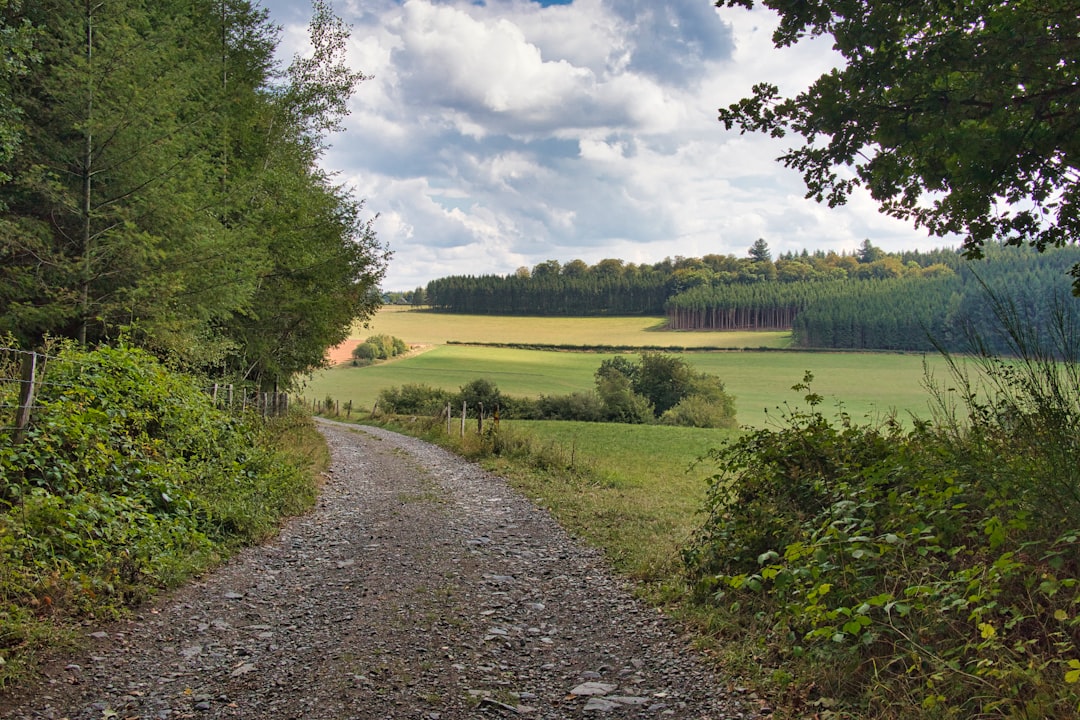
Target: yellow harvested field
x,y
422,327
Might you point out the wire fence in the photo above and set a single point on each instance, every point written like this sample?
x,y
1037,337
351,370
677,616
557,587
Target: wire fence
x,y
25,373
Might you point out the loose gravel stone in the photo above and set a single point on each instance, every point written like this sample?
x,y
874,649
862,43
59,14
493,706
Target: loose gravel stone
x,y
420,586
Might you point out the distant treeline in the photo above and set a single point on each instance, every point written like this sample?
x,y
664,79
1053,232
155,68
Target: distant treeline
x,y
909,314
613,287
866,300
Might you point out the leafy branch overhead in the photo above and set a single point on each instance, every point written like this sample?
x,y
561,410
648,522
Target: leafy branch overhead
x,y
960,117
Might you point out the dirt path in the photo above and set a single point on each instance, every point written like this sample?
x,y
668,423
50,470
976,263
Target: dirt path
x,y
420,587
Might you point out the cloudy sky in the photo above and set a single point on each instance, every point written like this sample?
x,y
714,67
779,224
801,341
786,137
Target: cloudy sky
x,y
496,134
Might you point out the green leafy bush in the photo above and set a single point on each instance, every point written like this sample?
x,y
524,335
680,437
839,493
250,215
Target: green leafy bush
x,y
914,573
477,393
690,398
413,399
379,347
129,479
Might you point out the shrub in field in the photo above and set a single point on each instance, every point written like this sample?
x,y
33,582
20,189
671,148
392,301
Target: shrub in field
x,y
916,573
365,353
413,399
378,347
699,411
620,402
690,398
584,406
128,480
656,385
479,393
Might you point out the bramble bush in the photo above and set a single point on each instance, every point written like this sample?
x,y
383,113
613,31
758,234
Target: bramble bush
x,y
129,480
924,572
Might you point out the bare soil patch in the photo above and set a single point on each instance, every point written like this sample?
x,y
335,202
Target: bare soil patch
x,y
341,354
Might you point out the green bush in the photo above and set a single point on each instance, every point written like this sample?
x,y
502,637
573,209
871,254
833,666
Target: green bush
x,y
479,393
699,411
413,399
366,352
379,347
128,480
656,385
914,573
585,406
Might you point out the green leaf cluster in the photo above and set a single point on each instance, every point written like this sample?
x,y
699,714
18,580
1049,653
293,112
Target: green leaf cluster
x,y
959,117
129,479
929,572
378,347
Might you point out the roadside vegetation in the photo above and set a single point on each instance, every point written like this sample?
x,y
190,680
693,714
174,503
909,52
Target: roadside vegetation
x,y
848,567
130,480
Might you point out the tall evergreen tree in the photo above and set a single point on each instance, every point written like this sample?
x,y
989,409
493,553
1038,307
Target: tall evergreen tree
x,y
759,251
168,183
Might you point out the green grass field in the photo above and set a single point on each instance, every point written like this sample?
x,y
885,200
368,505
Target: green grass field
x,y
867,384
646,487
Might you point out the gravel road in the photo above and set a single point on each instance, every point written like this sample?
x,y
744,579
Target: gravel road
x,y
420,587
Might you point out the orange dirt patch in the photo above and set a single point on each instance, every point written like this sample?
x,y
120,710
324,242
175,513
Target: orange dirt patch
x,y
341,354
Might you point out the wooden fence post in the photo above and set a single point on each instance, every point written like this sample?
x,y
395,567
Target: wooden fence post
x,y
480,419
26,397
448,416
463,407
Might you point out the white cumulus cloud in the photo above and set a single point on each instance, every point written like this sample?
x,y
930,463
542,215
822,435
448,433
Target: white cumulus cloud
x,y
501,133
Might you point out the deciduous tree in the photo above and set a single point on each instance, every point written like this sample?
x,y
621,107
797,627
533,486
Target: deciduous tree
x,y
960,117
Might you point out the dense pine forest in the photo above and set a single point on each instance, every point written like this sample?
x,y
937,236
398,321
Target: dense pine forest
x,y
866,300
159,180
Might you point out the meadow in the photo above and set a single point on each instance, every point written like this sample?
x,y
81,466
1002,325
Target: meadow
x,y
633,490
866,384
643,484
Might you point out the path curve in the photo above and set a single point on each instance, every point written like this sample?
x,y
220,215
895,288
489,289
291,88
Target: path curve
x,y
421,586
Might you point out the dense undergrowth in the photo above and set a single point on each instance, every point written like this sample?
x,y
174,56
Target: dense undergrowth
x,y
130,480
892,573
